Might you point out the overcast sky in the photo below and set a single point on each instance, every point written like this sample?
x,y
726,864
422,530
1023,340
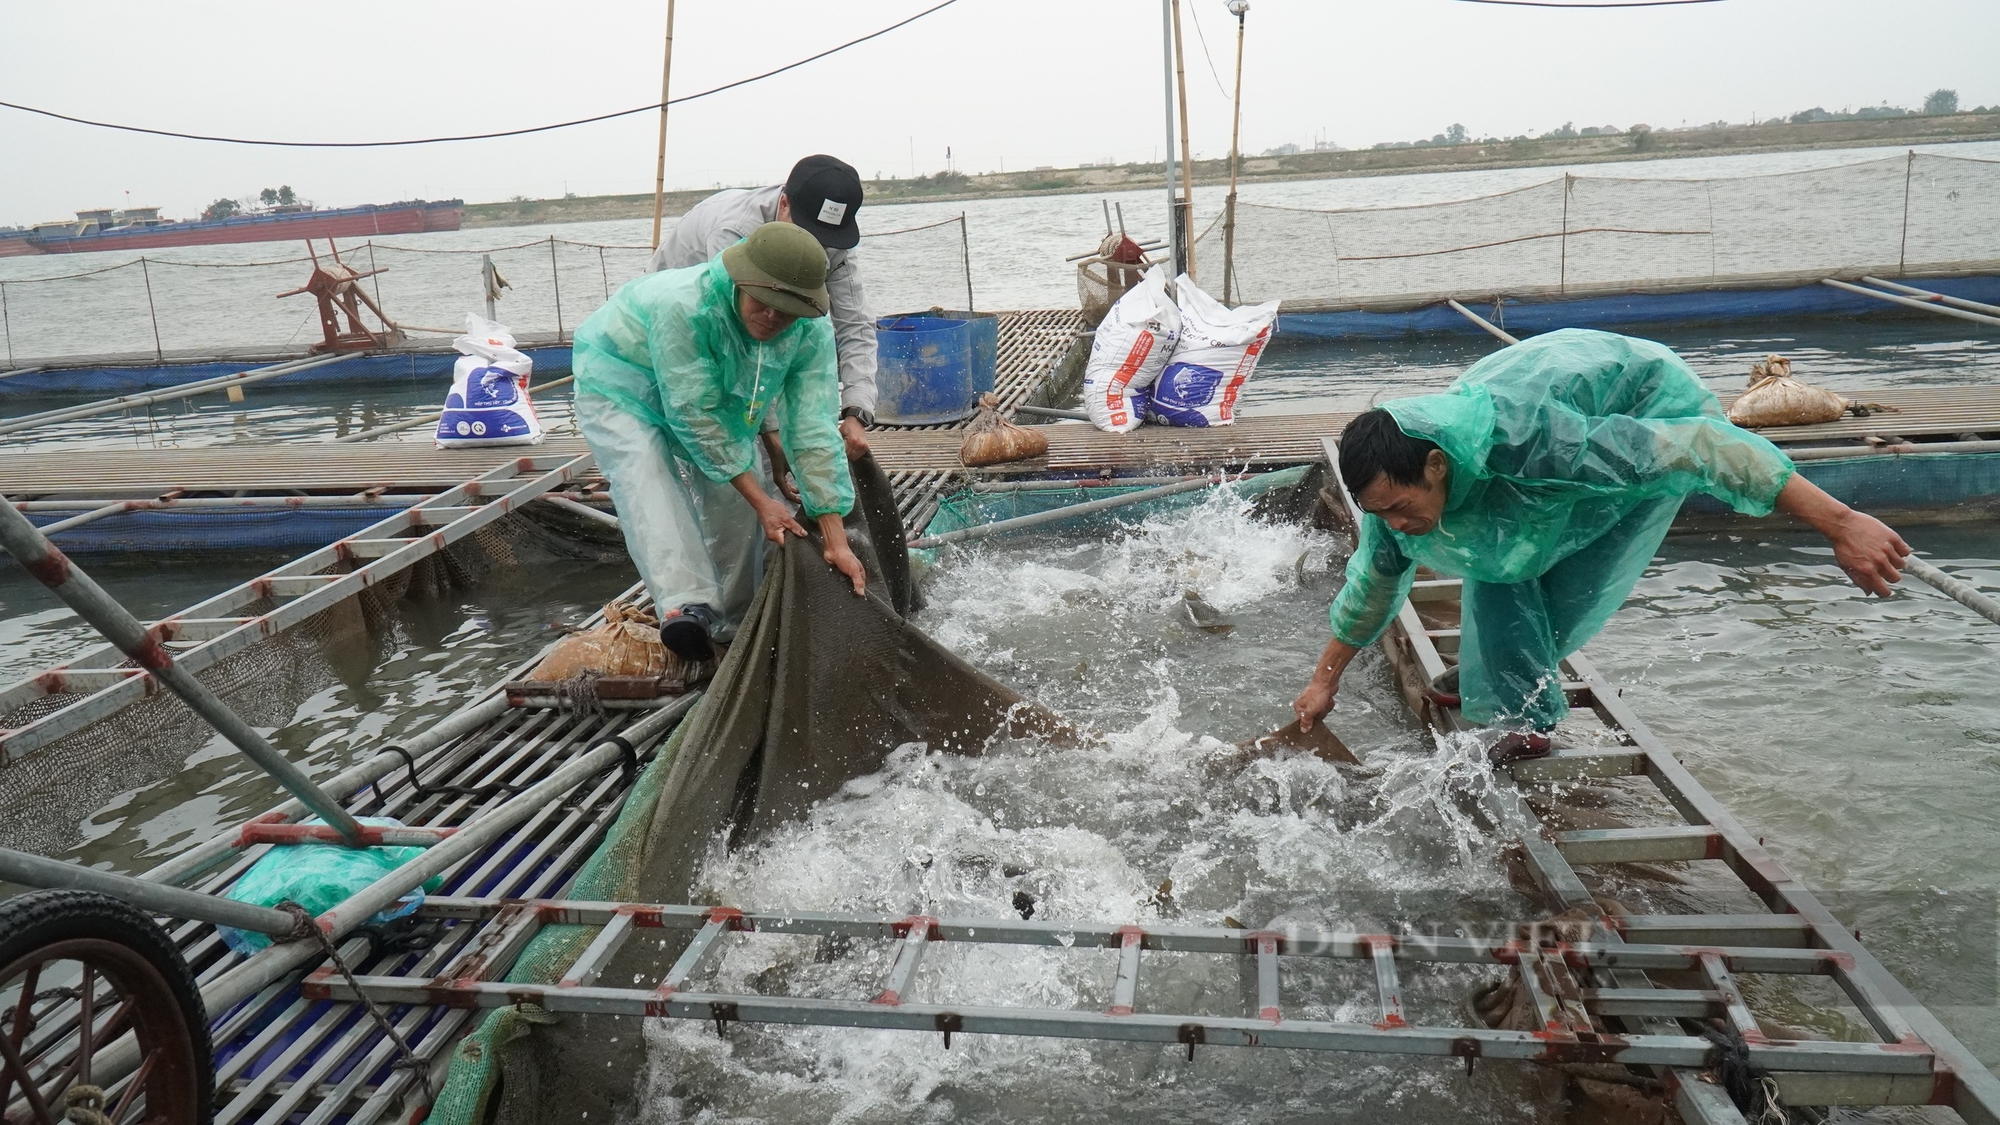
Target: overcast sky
x,y
1003,83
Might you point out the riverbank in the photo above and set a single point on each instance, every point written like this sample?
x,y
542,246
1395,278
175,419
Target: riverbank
x,y
1524,153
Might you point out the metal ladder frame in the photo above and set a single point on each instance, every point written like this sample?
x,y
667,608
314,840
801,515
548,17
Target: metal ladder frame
x,y
213,630
1957,1078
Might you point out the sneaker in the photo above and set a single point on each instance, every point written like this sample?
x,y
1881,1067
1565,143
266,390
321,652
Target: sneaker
x,y
689,632
1443,690
1519,746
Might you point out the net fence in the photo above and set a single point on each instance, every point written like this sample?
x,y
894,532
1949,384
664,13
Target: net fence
x,y
181,303
1911,213
47,794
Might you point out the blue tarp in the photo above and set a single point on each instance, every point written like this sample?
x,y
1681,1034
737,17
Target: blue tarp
x,y
198,532
1624,310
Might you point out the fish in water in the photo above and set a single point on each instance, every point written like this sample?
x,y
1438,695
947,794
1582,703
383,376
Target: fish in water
x,y
1204,616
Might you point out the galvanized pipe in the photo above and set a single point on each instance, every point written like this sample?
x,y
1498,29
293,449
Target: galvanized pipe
x,y
568,505
271,965
1052,412
35,871
1498,333
245,980
1935,297
187,390
1058,485
1022,523
1911,302
1833,452
1960,592
40,558
118,507
224,846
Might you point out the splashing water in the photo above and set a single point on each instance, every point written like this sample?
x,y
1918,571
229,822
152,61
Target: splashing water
x,y
1161,822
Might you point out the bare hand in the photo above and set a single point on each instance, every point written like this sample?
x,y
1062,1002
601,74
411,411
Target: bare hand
x,y
776,519
1314,702
855,436
841,558
1869,551
789,485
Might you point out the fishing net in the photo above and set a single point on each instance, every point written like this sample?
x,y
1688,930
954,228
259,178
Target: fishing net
x,y
1913,213
818,688
915,268
48,792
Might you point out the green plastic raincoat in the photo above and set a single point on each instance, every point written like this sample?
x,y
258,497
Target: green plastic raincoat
x,y
1570,454
669,349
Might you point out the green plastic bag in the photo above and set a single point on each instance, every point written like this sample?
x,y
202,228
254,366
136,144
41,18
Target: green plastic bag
x,y
320,877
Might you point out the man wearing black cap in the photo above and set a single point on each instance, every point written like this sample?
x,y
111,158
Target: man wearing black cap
x,y
821,195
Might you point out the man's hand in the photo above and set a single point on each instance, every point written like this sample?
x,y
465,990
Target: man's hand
x,y
774,517
789,485
1869,551
1313,703
839,555
855,436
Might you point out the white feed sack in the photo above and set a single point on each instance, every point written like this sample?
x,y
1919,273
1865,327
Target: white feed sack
x,y
488,403
1216,352
1129,351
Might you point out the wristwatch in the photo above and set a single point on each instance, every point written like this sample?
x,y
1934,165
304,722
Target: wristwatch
x,y
867,417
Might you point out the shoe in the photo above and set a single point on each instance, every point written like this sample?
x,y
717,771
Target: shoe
x,y
1443,691
689,632
1519,746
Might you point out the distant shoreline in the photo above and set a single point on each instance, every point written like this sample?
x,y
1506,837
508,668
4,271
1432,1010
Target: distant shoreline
x,y
1662,144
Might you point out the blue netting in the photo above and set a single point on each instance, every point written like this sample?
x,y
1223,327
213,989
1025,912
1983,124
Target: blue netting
x,y
1882,481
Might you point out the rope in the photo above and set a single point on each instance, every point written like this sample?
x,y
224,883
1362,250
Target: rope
x,y
481,136
84,1105
476,792
1749,1087
306,928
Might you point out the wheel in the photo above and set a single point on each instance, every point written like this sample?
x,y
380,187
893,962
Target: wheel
x,y
79,970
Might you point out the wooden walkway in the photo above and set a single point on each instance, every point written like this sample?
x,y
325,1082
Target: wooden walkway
x,y
917,458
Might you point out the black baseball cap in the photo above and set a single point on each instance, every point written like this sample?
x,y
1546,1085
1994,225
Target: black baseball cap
x,y
824,194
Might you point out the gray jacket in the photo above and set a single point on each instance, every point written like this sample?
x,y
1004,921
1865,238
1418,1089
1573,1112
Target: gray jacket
x,y
718,222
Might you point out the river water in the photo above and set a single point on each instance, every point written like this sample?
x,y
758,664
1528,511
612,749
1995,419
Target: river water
x,y
1858,736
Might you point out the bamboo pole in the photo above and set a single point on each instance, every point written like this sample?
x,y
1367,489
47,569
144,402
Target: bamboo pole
x,y
1167,75
660,165
1235,160
1187,157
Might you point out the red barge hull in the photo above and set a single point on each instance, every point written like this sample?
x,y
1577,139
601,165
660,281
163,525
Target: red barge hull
x,y
347,222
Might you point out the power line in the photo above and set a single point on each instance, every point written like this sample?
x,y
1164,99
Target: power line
x,y
479,136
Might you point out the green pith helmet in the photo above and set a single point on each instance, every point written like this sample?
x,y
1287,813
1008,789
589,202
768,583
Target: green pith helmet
x,y
784,266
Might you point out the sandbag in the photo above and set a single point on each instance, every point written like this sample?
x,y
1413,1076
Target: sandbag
x,y
992,440
488,403
1128,352
1777,399
627,644
1216,352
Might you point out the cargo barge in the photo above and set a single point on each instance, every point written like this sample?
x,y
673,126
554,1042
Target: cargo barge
x,y
142,229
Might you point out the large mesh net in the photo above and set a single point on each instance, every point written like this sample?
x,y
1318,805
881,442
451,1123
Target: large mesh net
x,y
1912,213
46,794
211,299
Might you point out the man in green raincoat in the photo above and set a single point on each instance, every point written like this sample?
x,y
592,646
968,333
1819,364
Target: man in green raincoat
x,y
1546,478
673,376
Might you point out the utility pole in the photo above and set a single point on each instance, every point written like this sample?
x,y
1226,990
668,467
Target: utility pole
x,y
660,166
1236,8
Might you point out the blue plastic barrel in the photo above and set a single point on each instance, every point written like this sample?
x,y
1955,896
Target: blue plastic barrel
x,y
925,370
